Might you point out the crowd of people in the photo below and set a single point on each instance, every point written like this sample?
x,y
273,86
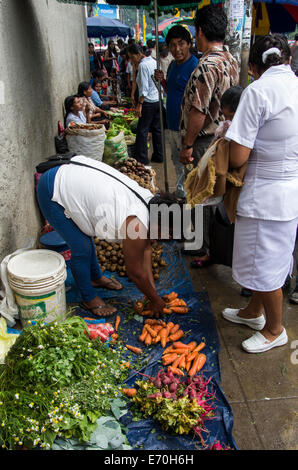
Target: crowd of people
x,y
204,102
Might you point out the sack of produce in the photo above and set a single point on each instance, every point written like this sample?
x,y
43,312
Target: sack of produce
x,y
115,149
86,139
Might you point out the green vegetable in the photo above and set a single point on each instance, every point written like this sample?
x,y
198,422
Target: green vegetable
x,y
56,382
134,125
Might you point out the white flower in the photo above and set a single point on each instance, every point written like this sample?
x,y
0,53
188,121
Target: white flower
x,y
17,396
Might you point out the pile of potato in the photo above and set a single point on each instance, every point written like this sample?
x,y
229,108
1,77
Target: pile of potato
x,y
137,172
110,257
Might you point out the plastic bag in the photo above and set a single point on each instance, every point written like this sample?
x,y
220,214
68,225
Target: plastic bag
x,y
115,150
101,330
8,306
6,340
86,139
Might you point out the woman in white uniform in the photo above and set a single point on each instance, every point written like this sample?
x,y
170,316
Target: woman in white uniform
x,y
264,132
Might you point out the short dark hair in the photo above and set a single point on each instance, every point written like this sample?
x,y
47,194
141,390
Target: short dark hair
x,y
231,97
68,103
150,43
167,199
97,74
134,49
83,86
264,43
96,82
178,32
213,22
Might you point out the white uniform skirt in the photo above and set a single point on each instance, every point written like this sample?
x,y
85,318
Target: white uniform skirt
x,y
263,252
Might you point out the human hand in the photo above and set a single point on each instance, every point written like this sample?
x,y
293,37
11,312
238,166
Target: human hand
x,y
158,75
139,110
186,156
156,307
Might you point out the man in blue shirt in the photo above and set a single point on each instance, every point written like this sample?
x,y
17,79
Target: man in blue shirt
x,y
179,43
147,108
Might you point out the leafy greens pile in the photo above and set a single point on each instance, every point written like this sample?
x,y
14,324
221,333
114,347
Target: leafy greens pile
x,y
56,382
120,125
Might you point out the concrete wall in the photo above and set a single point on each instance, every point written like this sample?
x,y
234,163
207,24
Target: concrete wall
x,y
43,57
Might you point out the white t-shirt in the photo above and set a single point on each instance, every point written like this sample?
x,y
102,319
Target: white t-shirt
x,y
97,203
266,121
81,119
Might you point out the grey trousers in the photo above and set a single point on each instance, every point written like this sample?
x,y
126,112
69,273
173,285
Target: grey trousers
x,y
200,146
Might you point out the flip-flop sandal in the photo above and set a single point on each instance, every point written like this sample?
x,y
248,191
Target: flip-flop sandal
x,y
199,263
108,283
98,307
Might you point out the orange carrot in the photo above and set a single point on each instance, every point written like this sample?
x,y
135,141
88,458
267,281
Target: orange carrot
x,y
168,311
151,321
117,322
150,330
181,364
179,309
168,349
130,392
176,335
156,340
115,336
177,303
187,365
163,336
195,351
145,313
178,344
148,339
180,350
168,359
176,371
170,297
197,364
176,362
192,345
175,329
142,337
133,349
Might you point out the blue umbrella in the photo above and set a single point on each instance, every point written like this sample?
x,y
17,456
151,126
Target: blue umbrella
x,y
100,26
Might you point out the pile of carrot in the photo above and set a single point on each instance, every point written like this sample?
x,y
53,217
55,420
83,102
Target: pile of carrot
x,y
173,305
181,356
155,331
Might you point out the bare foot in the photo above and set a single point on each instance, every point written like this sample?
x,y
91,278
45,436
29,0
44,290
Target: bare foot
x,y
269,335
98,307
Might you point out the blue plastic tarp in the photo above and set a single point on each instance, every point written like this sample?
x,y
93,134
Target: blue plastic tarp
x,y
101,27
199,325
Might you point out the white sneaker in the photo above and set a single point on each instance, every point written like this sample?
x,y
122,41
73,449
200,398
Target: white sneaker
x,y
231,314
257,343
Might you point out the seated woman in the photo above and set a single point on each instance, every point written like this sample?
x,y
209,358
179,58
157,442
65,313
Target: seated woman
x,y
97,98
91,112
73,110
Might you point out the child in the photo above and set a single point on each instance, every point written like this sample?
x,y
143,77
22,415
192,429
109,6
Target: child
x,y
228,103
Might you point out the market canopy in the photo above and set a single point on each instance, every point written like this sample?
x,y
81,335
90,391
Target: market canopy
x,y
100,26
277,17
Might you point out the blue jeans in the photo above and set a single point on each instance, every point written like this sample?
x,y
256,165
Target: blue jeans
x,y
83,263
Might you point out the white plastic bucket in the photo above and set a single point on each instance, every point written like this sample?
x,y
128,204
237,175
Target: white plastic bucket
x,y
37,279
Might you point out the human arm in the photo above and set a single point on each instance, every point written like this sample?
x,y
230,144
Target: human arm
x,y
159,76
238,154
137,258
196,123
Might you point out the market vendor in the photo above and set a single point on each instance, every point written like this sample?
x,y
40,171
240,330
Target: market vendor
x,y
81,203
91,112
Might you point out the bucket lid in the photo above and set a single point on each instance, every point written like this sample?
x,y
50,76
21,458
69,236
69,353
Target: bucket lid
x,y
36,264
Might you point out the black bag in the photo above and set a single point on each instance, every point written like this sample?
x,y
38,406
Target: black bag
x,y
221,237
61,145
54,160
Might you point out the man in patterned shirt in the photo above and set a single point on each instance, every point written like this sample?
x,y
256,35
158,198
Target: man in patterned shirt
x,y
216,71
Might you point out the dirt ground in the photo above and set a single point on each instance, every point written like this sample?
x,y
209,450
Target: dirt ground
x,y
262,389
